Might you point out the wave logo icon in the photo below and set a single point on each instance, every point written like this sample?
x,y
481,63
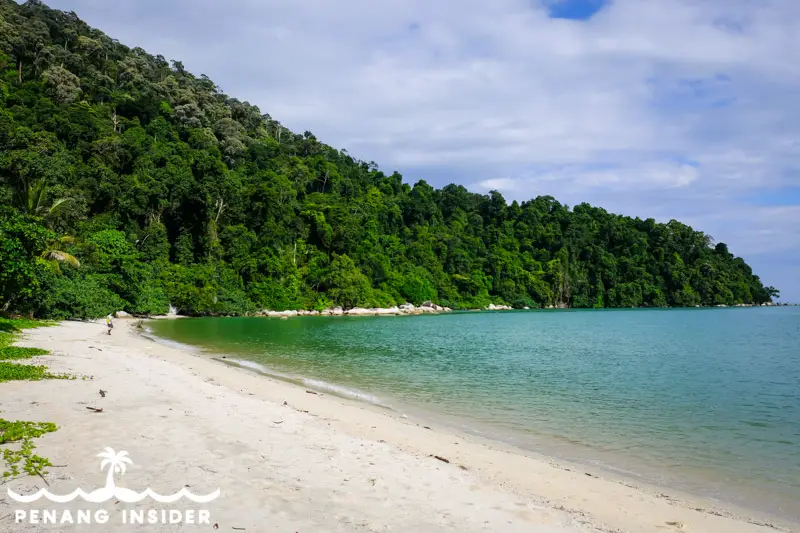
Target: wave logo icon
x,y
117,464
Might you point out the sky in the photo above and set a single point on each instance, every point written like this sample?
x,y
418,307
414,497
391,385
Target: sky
x,y
684,109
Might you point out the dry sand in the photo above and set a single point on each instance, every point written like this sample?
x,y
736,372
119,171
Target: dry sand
x,y
291,461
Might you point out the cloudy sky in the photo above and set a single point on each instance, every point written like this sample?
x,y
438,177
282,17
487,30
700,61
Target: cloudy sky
x,y
686,109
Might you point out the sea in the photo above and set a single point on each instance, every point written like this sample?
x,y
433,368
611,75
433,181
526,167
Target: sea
x,y
706,401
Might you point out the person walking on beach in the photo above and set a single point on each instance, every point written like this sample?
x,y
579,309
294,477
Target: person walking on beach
x,y
109,323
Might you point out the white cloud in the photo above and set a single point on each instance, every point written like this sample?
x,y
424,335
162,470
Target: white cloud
x,y
506,184
666,108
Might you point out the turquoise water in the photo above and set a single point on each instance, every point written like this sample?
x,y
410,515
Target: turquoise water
x,y
705,400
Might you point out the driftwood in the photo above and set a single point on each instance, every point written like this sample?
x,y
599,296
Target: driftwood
x,y
95,409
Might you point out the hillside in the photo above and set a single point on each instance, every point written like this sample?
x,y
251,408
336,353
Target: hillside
x,y
128,183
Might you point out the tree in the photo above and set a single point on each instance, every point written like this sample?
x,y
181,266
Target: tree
x,y
346,284
63,86
22,241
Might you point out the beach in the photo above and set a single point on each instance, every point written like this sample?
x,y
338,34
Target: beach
x,y
286,458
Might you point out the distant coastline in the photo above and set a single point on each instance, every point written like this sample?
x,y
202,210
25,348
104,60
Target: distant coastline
x,y
428,307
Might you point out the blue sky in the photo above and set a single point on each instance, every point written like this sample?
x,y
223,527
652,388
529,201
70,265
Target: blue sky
x,y
685,109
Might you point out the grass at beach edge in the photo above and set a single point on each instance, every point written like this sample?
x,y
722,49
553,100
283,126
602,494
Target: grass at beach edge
x,y
20,457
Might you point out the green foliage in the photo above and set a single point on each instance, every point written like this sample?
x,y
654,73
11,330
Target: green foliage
x,y
21,241
346,284
23,459
18,352
80,296
15,372
9,328
173,192
15,325
16,431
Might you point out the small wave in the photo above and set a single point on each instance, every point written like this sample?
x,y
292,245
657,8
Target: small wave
x,y
341,391
320,385
148,334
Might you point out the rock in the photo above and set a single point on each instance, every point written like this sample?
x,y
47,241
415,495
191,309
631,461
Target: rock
x,y
122,314
280,314
407,307
359,311
430,307
526,308
500,307
387,311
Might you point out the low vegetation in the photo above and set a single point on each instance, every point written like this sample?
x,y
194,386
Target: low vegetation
x,y
20,457
23,460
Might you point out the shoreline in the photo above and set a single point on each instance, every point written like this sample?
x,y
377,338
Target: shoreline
x,y
564,455
281,452
394,312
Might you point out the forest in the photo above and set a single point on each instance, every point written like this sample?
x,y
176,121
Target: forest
x,y
127,183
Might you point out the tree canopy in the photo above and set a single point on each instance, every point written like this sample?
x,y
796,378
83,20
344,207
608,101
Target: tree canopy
x,y
129,183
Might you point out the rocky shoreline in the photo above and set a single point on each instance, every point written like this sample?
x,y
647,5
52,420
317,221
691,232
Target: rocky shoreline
x,y
405,309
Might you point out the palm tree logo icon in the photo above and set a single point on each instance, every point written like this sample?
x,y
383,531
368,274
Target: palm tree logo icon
x,y
117,463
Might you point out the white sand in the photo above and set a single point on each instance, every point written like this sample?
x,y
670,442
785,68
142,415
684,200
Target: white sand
x,y
317,463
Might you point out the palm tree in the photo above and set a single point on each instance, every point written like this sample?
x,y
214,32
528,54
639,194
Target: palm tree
x,y
54,253
116,463
31,198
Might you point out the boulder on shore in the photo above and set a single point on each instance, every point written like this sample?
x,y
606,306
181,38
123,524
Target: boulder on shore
x,y
430,307
359,311
122,314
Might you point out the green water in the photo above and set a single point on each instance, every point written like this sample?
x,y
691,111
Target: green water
x,y
705,400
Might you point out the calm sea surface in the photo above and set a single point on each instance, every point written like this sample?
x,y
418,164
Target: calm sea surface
x,y
705,400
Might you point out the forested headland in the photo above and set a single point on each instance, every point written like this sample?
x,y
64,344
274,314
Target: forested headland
x,y
127,183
